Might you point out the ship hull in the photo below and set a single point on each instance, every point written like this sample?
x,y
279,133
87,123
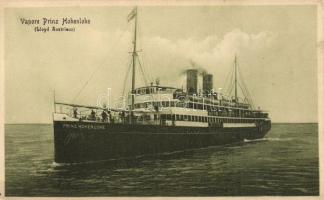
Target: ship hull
x,y
77,142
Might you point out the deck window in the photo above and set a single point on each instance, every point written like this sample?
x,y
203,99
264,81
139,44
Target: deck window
x,y
168,117
173,117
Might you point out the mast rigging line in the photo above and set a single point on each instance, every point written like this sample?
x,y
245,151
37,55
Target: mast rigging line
x,y
231,89
244,85
231,84
140,57
148,62
100,66
126,77
244,92
249,100
147,74
228,83
143,73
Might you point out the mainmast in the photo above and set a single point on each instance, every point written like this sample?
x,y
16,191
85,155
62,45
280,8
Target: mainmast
x,y
235,71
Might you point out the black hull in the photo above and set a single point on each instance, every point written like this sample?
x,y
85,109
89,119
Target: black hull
x,y
77,142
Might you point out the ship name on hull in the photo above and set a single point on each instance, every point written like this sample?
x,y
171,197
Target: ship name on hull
x,y
84,126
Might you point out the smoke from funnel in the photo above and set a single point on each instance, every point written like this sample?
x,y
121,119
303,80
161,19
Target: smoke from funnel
x,y
194,65
198,67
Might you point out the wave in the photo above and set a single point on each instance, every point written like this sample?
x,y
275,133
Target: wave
x,y
55,164
268,139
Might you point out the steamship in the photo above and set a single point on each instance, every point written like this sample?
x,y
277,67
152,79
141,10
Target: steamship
x,y
156,119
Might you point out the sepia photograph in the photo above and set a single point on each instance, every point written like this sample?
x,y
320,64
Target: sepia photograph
x,y
162,100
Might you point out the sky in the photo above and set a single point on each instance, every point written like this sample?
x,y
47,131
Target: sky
x,y
275,47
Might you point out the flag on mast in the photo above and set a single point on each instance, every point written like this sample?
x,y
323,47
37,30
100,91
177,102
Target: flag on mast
x,y
132,14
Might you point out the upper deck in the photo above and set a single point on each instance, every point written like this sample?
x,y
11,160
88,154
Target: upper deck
x,y
215,104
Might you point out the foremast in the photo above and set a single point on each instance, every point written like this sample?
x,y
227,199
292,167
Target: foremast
x,y
133,15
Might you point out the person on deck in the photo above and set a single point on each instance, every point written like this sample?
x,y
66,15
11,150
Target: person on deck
x,y
75,113
104,116
122,116
93,115
110,117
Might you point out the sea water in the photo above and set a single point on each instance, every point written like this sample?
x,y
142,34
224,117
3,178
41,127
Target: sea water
x,y
285,162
